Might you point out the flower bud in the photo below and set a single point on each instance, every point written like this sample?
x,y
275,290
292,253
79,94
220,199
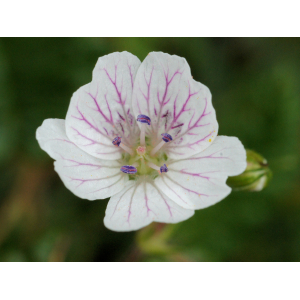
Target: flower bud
x,y
256,176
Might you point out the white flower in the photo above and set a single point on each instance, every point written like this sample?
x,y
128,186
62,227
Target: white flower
x,y
144,134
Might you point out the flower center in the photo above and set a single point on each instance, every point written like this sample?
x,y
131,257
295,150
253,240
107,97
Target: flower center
x,y
141,150
146,159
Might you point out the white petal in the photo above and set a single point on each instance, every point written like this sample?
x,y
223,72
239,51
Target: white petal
x,y
200,181
140,204
102,109
165,91
84,175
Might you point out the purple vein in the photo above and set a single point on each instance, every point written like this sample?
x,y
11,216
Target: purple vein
x,y
110,121
182,171
146,201
62,140
108,186
189,145
147,97
202,157
130,204
79,164
82,181
165,201
110,114
121,101
183,108
162,101
163,179
131,75
177,126
87,122
120,200
196,124
189,190
91,140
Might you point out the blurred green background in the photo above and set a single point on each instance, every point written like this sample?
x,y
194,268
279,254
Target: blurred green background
x,y
255,83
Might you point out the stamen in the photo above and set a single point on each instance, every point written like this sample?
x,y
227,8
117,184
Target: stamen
x,y
153,166
129,169
144,120
164,168
165,139
161,169
118,142
127,149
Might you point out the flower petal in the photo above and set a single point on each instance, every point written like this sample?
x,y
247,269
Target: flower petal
x,y
101,110
165,91
84,175
140,204
200,181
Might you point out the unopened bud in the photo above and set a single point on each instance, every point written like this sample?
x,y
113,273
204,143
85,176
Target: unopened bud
x,y
256,176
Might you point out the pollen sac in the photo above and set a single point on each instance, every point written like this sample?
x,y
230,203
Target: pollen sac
x,y
143,119
117,141
128,169
164,169
166,137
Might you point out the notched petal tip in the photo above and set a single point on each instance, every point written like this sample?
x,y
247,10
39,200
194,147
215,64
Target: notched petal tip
x,y
138,205
178,105
101,110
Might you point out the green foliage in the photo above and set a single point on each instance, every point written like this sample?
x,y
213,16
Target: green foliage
x,y
255,87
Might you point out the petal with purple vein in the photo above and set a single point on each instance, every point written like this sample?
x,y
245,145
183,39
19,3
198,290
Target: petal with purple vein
x,y
200,181
101,110
165,91
84,175
138,205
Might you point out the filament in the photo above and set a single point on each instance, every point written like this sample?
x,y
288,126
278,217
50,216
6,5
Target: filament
x,y
155,149
126,148
143,133
153,166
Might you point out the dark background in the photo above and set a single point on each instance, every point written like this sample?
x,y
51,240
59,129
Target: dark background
x,y
255,83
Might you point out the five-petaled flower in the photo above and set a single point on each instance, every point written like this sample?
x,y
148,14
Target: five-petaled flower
x,y
144,134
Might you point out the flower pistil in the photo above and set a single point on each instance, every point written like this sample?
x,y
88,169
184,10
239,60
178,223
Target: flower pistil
x,y
143,163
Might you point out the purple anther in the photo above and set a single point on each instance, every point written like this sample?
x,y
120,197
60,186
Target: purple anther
x,y
164,169
117,141
166,137
143,119
128,169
